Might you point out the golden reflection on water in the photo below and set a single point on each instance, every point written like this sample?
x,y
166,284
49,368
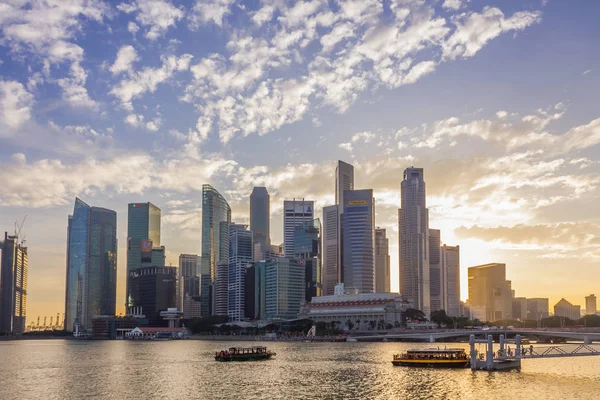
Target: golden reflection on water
x,y
57,369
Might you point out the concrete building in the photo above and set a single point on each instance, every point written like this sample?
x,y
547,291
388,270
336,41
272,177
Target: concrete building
x,y
271,251
437,289
216,217
91,277
143,227
188,280
330,249
590,305
220,290
295,212
154,289
358,240
240,257
537,308
283,288
413,240
519,309
13,285
489,288
307,248
565,309
450,268
192,307
344,180
260,212
382,261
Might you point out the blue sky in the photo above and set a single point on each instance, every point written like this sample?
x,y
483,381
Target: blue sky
x,y
146,100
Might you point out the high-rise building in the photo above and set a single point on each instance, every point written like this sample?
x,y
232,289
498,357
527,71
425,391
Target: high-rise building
x,y
250,295
91,283
382,262
283,288
220,287
154,289
271,251
260,212
330,249
216,217
437,291
537,308
240,258
450,267
590,304
490,292
13,286
307,248
358,238
519,308
295,212
188,281
567,310
344,180
143,227
413,240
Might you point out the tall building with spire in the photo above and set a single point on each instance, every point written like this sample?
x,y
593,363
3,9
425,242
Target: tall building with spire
x,y
13,285
413,238
216,217
91,284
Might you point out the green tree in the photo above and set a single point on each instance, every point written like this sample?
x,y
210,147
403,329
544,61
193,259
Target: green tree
x,y
440,318
349,324
412,314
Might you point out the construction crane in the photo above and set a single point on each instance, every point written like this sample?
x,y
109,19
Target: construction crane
x,y
20,227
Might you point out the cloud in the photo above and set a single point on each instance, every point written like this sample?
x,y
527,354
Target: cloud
x,y
205,11
454,5
156,15
364,137
126,56
15,105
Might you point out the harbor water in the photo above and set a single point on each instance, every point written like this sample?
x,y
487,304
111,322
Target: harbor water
x,y
71,369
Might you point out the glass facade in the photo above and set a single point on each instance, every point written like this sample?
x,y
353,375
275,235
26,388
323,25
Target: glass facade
x,y
189,278
260,206
240,257
284,288
154,289
307,247
295,212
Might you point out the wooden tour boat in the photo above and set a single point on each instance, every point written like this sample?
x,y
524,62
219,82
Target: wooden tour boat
x,y
433,358
255,353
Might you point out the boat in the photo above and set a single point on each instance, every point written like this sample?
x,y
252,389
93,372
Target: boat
x,y
433,358
254,353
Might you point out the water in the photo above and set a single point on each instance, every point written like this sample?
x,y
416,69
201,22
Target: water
x,y
68,369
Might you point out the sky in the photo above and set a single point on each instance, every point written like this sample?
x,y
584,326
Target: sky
x,y
146,100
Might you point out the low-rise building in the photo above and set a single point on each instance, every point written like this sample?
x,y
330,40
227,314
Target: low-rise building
x,y
565,309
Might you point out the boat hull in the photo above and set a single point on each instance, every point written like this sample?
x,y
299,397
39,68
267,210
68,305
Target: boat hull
x,y
244,357
432,363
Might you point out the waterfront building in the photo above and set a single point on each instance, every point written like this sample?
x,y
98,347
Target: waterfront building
x,y
307,248
143,227
295,212
192,307
356,311
437,290
382,261
519,308
450,261
112,327
91,276
13,285
488,288
250,295
216,217
220,302
590,304
413,240
330,249
283,288
537,308
154,289
240,257
565,309
358,239
260,213
188,280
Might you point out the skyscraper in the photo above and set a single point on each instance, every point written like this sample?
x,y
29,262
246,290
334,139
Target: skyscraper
x,y
154,289
307,248
260,211
344,180
413,240
490,294
240,258
330,249
91,286
189,282
437,290
216,217
358,235
283,288
450,259
590,304
382,262
295,212
143,226
13,286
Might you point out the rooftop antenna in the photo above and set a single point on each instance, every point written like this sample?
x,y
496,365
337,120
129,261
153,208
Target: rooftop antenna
x,y
20,226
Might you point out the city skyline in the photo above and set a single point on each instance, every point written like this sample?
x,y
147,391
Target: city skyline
x,y
103,103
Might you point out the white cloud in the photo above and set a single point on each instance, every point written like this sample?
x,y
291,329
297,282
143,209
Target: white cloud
x,y
132,28
126,56
587,71
205,11
15,105
454,4
364,137
154,125
156,15
134,120
74,91
501,114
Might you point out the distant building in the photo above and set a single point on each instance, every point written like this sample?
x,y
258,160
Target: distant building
x,y
590,304
519,309
260,211
295,212
358,240
413,237
450,268
154,289
91,279
216,217
537,308
489,288
344,180
437,290
111,327
192,307
330,249
221,290
307,248
265,253
188,280
13,286
240,257
382,262
283,288
565,309
143,233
